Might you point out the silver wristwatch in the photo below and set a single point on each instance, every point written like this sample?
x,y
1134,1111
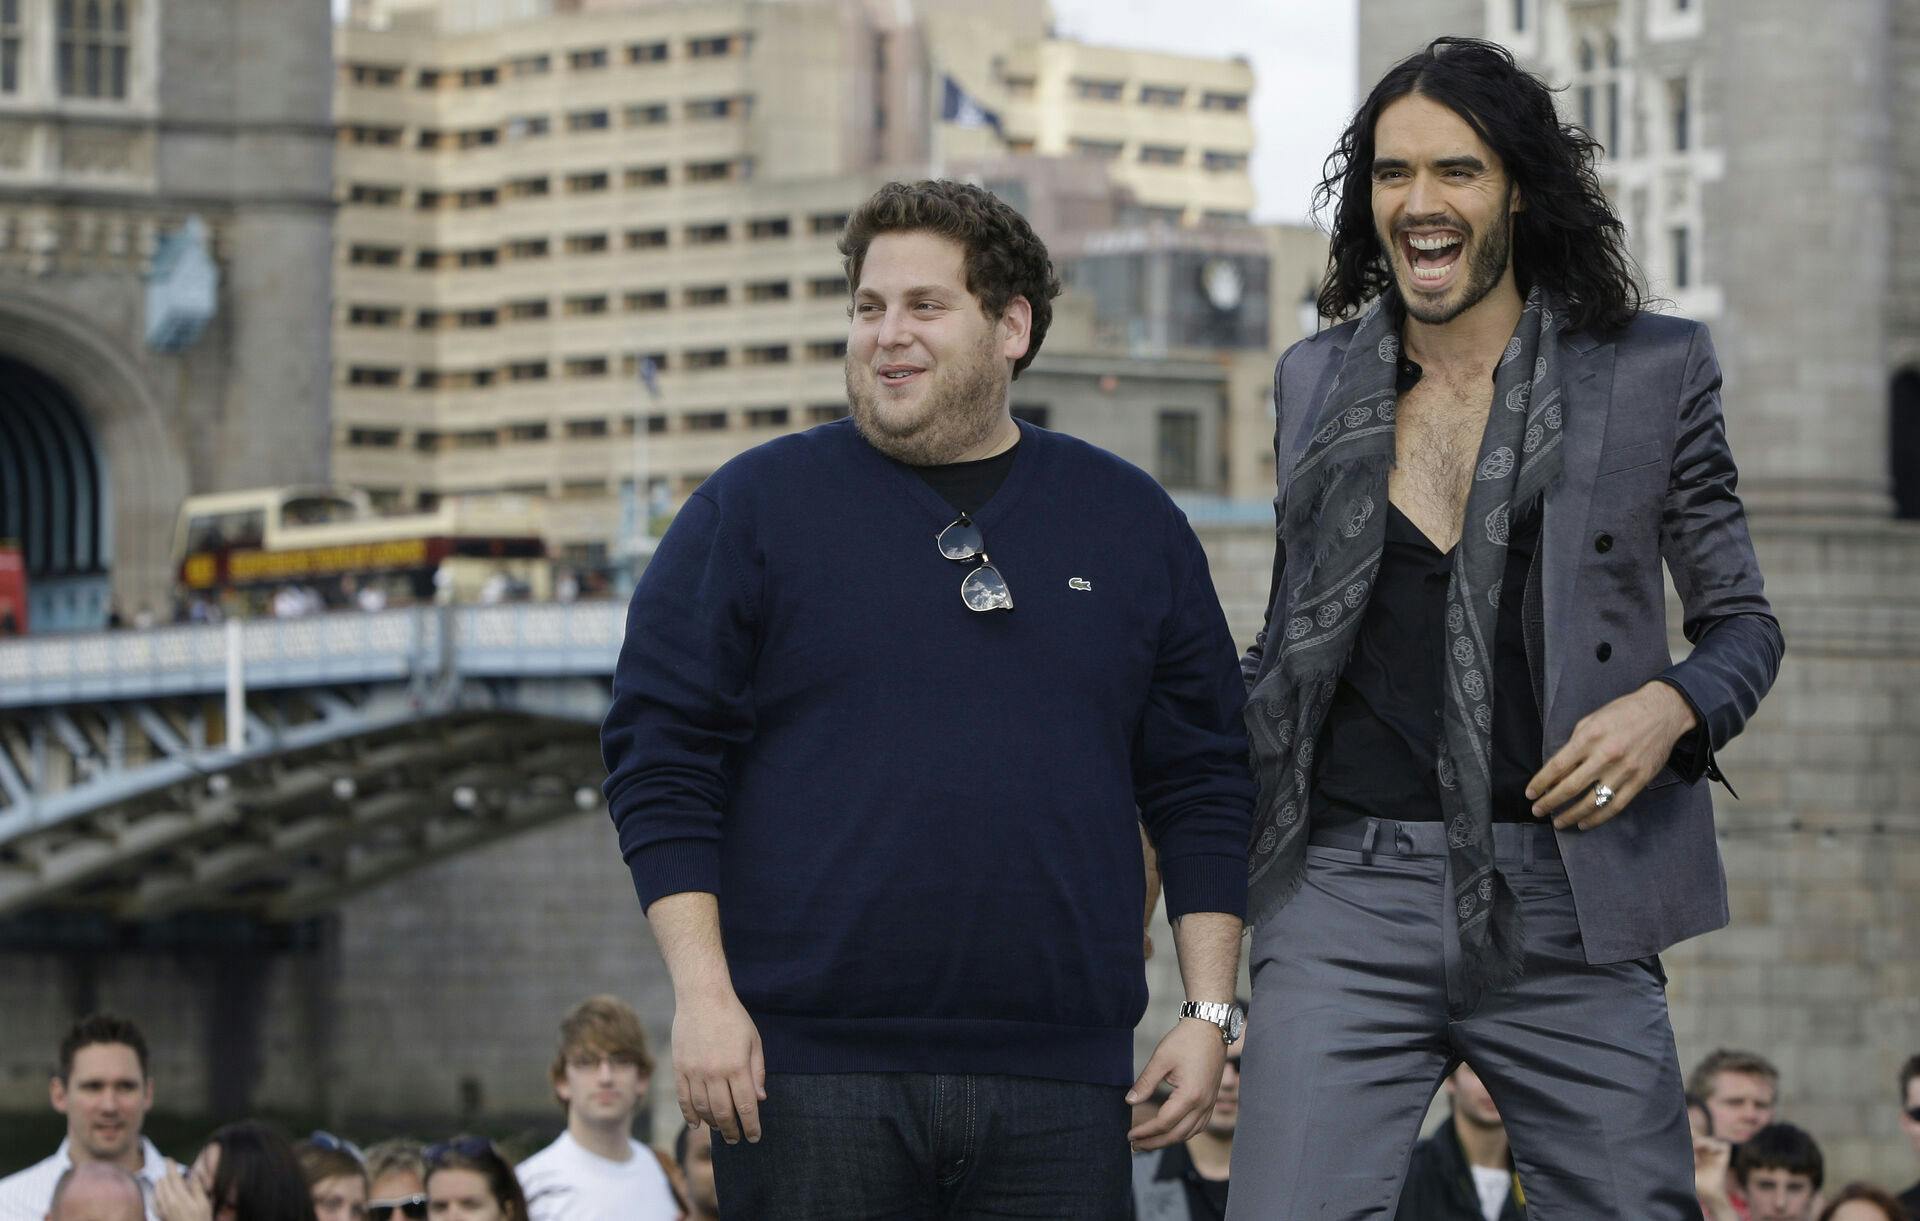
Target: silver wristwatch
x,y
1224,1014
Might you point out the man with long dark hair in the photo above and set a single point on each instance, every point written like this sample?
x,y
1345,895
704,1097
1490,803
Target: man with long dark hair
x,y
1481,812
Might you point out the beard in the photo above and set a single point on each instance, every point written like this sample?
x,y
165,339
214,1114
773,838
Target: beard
x,y
964,401
1486,261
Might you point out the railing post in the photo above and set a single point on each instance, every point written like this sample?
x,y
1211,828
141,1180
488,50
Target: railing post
x,y
236,690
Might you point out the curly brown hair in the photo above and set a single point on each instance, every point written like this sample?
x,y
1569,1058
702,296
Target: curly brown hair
x,y
1004,257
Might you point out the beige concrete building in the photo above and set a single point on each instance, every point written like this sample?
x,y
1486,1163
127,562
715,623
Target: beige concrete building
x,y
538,199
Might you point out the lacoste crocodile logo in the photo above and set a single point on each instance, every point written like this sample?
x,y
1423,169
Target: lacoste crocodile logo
x,y
1080,583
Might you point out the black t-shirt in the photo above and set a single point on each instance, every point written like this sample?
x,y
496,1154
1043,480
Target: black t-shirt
x,y
968,485
1206,1198
1379,750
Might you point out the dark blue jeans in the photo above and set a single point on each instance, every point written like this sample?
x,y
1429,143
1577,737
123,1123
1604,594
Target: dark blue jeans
x,y
920,1147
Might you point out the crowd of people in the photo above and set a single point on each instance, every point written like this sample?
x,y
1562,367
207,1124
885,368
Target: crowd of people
x,y
1749,1164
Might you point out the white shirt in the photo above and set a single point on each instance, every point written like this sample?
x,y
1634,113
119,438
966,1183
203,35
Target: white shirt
x,y
1494,1185
27,1195
565,1182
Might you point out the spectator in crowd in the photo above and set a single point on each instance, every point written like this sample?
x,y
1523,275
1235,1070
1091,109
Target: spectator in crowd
x,y
468,1180
1910,1124
336,1177
97,1191
595,1170
1740,1090
1779,1170
1861,1202
693,1153
397,1181
1188,1182
1464,1171
101,1086
246,1172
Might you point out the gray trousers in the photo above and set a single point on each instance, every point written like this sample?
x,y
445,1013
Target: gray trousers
x,y
1349,1037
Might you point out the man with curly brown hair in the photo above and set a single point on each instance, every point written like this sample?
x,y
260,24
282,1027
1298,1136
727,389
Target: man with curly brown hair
x,y
885,835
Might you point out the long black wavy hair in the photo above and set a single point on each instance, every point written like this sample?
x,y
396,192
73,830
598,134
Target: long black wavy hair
x,y
1566,238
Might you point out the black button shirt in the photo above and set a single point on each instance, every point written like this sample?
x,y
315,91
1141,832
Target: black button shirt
x,y
1378,753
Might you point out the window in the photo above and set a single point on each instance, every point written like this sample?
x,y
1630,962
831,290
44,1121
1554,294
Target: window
x,y
1091,90
827,349
428,201
1682,272
768,417
477,319
479,256
429,78
706,235
705,421
527,188
1680,108
374,256
1218,162
586,243
1178,450
484,197
717,108
476,438
766,354
530,65
646,301
478,137
353,133
429,259
769,290
1161,154
373,438
373,315
427,440
1519,16
527,309
379,76
630,368
589,120
586,366
768,227
587,184
647,53
825,413
528,126
1163,95
641,177
646,114
584,304
705,294
373,195
1033,413
707,358
587,58
432,140
583,489
92,41
536,431
475,78
1232,103
1224,218
527,371
827,286
577,429
646,239
1099,150
429,319
715,47
373,375
715,171
529,248
827,224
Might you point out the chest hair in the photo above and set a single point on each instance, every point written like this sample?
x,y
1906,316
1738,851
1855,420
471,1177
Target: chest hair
x,y
1437,433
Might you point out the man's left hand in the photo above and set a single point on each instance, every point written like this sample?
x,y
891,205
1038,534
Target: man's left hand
x,y
1622,746
1189,1059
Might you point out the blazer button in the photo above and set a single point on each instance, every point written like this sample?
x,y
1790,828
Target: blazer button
x,y
1603,543
1603,650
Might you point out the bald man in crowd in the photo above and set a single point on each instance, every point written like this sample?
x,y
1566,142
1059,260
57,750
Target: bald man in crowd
x,y
97,1191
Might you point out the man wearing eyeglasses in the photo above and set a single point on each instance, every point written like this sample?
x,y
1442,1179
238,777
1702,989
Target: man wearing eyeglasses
x,y
894,696
1910,1124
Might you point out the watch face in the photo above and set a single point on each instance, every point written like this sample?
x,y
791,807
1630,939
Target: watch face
x,y
1236,1024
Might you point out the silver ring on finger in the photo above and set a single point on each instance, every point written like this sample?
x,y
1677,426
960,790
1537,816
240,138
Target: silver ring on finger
x,y
1602,794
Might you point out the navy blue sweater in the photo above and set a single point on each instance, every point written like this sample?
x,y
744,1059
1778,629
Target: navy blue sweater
x,y
920,820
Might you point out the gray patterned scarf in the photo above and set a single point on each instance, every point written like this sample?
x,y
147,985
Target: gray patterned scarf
x,y
1338,497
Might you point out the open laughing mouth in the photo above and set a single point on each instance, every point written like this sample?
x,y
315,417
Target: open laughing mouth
x,y
1432,256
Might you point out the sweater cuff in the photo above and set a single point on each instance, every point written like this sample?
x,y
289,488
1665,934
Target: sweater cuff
x,y
1213,883
674,866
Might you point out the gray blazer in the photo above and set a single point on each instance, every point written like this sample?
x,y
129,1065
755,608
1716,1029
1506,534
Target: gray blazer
x,y
1647,476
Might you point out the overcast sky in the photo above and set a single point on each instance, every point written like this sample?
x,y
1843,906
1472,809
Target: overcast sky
x,y
1304,66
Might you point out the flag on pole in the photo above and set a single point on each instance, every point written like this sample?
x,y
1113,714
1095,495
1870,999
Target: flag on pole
x,y
650,375
962,109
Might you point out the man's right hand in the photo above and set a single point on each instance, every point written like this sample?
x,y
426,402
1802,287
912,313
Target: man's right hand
x,y
719,1071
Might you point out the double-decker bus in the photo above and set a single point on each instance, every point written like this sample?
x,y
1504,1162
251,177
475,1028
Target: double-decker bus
x,y
240,550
